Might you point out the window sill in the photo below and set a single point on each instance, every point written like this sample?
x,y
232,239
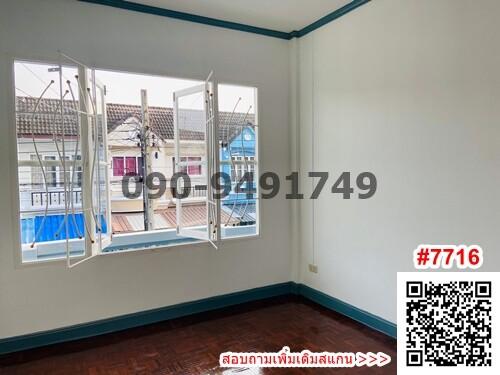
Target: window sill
x,y
131,243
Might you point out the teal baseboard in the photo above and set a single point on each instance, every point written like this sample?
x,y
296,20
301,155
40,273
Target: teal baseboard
x,y
86,330
348,310
142,318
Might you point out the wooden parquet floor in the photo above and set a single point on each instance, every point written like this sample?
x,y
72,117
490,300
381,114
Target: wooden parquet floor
x,y
191,345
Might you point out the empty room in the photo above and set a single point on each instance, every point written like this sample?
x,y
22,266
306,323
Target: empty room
x,y
250,187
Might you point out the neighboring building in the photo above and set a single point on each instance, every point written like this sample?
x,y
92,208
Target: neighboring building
x,y
123,126
235,158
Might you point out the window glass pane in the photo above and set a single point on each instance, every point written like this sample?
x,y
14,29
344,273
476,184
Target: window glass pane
x,y
130,165
194,170
61,169
183,168
238,158
78,173
51,172
45,137
190,144
118,166
36,176
124,124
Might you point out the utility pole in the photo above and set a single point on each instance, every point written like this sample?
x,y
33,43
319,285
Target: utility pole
x,y
146,163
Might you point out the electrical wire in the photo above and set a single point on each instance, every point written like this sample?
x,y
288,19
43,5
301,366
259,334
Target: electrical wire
x,y
39,78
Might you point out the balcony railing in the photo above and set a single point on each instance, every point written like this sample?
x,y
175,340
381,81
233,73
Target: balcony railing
x,y
37,200
198,191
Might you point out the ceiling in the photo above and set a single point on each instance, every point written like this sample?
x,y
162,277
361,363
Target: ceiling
x,y
281,15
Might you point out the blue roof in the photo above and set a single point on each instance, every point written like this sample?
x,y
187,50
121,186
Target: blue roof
x,y
53,228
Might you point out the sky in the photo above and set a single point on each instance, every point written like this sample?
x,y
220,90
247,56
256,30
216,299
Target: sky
x,y
125,88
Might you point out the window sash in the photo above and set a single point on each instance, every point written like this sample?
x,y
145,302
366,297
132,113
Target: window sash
x,y
193,168
206,124
118,166
130,165
123,165
56,217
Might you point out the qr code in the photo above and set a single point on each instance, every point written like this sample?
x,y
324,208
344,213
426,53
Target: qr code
x,y
448,324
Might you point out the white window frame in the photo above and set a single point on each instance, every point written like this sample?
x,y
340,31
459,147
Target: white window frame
x,y
130,242
256,168
210,230
93,240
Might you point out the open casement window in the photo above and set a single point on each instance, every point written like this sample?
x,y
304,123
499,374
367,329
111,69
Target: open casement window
x,y
99,179
62,164
92,130
195,129
91,136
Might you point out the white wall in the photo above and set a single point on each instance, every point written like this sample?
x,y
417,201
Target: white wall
x,y
48,296
409,90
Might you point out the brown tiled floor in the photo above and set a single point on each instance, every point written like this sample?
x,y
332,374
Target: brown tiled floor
x,y
192,345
